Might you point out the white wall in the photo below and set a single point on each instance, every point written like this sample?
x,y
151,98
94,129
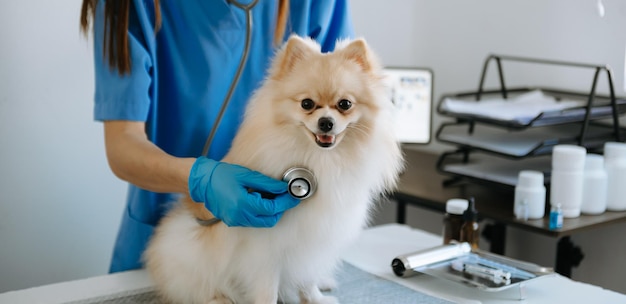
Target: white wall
x,y
60,206
453,37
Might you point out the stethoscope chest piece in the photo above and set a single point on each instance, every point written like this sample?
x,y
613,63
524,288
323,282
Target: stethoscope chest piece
x,y
301,182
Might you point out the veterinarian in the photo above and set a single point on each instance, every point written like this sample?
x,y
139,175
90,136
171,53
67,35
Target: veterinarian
x,y
162,70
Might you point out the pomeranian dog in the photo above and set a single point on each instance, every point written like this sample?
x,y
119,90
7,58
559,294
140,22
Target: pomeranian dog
x,y
328,112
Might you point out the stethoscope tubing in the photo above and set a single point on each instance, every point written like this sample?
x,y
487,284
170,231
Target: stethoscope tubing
x,y
244,57
298,173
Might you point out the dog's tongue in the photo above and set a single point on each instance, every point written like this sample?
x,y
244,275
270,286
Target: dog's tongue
x,y
326,139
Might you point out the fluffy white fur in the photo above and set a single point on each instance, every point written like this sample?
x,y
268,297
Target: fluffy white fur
x,y
219,264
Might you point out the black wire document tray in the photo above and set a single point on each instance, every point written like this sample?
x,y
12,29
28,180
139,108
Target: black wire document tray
x,y
522,108
494,170
528,107
457,262
516,144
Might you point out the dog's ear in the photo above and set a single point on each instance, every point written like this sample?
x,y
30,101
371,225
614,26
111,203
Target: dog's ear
x,y
296,49
358,51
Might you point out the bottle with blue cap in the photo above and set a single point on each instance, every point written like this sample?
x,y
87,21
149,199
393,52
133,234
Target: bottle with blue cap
x,y
556,217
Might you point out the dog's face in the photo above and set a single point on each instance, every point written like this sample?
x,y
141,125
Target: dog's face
x,y
326,96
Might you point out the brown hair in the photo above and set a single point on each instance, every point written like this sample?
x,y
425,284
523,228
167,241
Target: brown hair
x,y
116,28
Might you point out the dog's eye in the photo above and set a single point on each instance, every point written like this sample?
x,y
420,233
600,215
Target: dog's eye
x,y
307,104
344,105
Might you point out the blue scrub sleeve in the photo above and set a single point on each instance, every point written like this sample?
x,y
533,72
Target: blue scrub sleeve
x,y
122,97
326,21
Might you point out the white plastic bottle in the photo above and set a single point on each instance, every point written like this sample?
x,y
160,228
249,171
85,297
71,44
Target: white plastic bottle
x,y
530,195
615,164
595,185
566,181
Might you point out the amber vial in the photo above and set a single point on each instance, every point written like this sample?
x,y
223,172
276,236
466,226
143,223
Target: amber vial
x,y
470,229
453,219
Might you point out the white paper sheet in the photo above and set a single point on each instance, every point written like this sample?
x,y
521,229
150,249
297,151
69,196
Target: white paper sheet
x,y
523,108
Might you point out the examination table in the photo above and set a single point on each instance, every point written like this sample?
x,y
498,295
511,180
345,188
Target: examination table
x,y
364,277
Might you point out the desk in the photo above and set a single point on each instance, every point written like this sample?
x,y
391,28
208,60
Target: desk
x,y
371,255
422,185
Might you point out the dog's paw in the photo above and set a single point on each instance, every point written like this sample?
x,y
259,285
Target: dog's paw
x,y
314,296
327,284
220,301
324,300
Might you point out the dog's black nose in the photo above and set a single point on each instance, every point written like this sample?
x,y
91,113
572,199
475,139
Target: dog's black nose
x,y
325,124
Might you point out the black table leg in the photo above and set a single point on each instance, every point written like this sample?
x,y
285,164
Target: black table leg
x,y
401,212
496,235
568,255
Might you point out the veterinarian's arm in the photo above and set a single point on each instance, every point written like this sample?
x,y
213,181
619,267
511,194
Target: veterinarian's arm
x,y
224,188
133,158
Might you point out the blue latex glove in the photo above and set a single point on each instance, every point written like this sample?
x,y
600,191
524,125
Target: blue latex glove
x,y
224,189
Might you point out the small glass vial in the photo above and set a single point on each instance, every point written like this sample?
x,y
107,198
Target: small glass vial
x,y
556,217
453,219
470,229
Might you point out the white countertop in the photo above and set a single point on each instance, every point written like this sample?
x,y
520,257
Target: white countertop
x,y
373,252
378,246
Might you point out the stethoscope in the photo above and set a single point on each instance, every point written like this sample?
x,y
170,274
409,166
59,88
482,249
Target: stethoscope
x,y
301,182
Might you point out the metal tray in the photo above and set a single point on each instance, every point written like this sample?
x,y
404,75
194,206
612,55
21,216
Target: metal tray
x,y
439,262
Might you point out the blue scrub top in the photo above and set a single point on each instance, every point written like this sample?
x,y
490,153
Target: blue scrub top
x,y
179,78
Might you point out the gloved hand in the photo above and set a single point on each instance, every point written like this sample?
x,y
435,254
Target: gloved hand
x,y
224,189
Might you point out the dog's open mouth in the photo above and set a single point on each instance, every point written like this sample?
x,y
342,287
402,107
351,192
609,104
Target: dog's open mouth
x,y
325,140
